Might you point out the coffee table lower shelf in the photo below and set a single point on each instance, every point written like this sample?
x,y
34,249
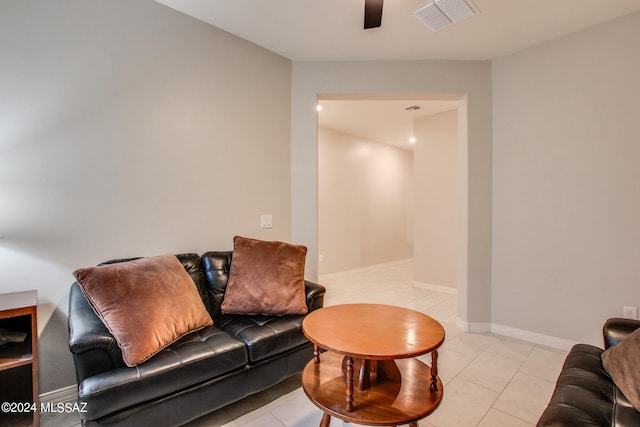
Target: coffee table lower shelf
x,y
386,403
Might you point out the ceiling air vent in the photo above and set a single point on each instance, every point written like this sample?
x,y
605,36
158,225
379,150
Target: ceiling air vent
x,y
442,13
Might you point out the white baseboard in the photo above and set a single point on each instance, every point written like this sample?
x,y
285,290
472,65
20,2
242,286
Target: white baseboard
x,y
521,334
438,288
473,327
366,269
61,395
534,337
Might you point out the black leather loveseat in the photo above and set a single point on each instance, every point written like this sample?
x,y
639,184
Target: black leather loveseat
x,y
585,395
201,372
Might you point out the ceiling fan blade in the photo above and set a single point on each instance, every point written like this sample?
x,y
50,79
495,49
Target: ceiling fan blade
x,y
372,13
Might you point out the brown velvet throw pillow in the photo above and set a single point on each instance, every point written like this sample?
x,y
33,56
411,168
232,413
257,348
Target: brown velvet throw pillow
x,y
621,363
266,278
146,304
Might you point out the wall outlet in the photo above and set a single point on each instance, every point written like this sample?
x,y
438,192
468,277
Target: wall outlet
x,y
630,312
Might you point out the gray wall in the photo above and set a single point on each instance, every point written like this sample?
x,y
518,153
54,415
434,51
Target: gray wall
x,y
403,79
127,128
438,202
551,161
365,202
566,208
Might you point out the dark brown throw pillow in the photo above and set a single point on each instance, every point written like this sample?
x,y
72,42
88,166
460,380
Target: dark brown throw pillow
x,y
266,278
621,363
146,304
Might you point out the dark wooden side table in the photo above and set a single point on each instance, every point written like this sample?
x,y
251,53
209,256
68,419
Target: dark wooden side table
x,y
19,360
370,375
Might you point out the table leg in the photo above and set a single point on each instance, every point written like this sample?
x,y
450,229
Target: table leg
x,y
349,381
413,424
364,377
316,353
326,420
434,371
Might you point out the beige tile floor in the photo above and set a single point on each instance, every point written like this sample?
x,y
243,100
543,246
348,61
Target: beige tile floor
x,y
489,380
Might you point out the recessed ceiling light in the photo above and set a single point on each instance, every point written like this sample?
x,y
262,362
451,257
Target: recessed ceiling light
x,y
412,140
318,107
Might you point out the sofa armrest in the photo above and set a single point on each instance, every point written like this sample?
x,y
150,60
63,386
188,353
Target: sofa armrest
x,y
315,295
93,347
616,329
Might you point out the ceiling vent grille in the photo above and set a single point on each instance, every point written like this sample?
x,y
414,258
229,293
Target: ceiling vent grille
x,y
442,13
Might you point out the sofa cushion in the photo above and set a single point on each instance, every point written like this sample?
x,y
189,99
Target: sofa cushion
x,y
146,304
265,336
621,363
199,356
266,278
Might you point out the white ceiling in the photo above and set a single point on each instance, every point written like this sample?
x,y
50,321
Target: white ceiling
x,y
327,30
384,121
330,30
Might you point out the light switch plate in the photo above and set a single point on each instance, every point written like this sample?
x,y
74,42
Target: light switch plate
x,y
266,221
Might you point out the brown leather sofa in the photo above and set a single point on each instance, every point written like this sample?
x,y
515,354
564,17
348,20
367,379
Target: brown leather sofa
x,y
585,395
201,372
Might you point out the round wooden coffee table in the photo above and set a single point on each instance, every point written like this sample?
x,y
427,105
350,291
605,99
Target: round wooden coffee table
x,y
369,375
